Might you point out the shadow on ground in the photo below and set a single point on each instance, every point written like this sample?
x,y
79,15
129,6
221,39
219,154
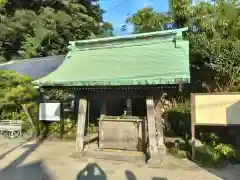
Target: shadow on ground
x,y
94,172
32,171
131,176
12,149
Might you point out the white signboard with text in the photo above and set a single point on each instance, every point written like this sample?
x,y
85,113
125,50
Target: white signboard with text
x,y
50,111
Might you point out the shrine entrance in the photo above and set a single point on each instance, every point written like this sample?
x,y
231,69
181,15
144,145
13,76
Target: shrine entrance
x,y
114,120
125,76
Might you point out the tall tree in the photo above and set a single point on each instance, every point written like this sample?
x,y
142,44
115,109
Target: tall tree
x,y
16,92
215,47
146,20
181,12
42,28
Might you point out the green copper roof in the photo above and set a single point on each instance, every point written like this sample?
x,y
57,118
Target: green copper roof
x,y
143,59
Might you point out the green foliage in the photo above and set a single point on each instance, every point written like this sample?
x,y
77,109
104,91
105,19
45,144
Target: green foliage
x,y
177,149
180,120
207,156
214,48
69,126
221,56
212,153
218,155
226,150
42,28
237,155
70,129
92,128
57,95
146,20
16,113
212,140
181,12
15,88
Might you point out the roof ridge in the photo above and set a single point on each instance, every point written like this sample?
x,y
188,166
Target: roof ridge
x,y
131,36
120,45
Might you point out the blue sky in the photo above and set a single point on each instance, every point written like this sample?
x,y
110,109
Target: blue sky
x,y
117,15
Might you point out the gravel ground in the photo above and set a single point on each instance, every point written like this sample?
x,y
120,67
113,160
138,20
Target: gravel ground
x,y
51,160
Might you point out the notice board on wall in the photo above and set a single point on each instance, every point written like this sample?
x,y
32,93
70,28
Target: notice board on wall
x,y
215,109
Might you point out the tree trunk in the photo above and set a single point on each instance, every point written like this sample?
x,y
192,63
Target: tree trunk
x,y
30,119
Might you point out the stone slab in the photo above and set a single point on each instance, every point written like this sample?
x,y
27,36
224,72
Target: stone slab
x,y
113,155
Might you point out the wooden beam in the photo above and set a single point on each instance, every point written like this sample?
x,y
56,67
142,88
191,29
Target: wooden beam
x,y
114,88
109,95
153,151
82,110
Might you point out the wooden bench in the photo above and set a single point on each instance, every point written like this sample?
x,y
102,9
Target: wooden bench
x,y
10,128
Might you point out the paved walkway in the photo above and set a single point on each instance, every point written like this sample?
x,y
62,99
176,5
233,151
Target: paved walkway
x,y
51,160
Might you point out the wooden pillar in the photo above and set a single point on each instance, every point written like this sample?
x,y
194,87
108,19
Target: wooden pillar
x,y
153,151
129,107
193,125
103,108
238,140
82,110
61,128
61,121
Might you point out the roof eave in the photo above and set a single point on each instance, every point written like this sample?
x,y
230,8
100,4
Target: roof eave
x,y
132,83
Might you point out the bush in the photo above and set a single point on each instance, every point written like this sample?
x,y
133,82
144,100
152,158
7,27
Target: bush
x,y
213,140
16,113
182,154
68,126
205,155
69,129
92,128
179,119
209,138
213,153
237,156
226,150
214,156
208,156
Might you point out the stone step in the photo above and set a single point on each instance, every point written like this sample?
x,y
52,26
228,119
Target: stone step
x,y
114,155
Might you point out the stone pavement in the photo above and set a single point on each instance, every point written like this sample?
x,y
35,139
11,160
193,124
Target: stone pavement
x,y
51,160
